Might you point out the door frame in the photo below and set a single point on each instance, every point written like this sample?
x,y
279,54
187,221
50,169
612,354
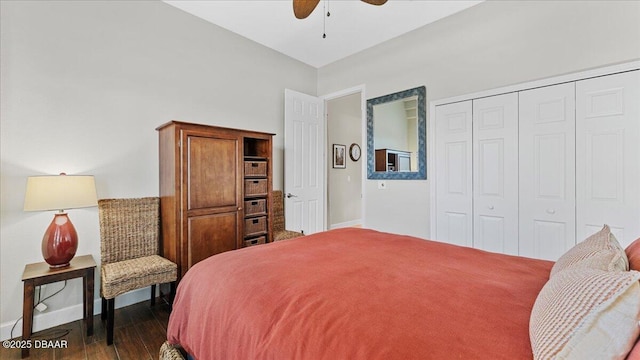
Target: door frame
x,y
363,126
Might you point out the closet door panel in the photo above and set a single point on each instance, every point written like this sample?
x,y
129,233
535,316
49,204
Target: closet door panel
x,y
608,144
454,219
547,171
495,173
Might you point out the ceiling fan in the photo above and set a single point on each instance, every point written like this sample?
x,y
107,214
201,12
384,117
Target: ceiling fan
x,y
302,8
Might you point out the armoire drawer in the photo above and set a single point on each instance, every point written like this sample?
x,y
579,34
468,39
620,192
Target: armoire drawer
x,y
255,207
255,226
255,168
255,187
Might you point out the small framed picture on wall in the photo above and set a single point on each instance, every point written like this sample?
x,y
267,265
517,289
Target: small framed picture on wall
x,y
339,156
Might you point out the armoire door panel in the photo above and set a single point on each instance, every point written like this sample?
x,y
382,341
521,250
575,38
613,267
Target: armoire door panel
x,y
608,138
204,170
547,171
453,146
495,173
211,234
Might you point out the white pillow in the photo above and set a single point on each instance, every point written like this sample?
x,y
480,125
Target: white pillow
x,y
586,314
599,251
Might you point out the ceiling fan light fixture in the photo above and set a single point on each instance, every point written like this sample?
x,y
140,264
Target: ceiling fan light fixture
x,y
375,2
304,8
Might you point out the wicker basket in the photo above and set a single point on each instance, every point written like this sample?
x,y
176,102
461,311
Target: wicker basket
x,y
255,187
255,241
255,207
255,169
255,226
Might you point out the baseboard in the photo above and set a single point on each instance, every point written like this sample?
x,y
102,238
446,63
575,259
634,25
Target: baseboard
x,y
49,319
346,224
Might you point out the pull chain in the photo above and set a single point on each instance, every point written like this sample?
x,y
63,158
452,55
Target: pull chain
x,y
325,8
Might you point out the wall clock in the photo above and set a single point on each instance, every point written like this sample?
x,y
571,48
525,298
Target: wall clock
x,y
354,152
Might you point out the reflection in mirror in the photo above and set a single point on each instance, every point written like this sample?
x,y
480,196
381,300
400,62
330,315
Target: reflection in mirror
x,y
396,136
396,127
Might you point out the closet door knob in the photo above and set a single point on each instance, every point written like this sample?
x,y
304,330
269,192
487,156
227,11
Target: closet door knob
x,y
490,207
551,211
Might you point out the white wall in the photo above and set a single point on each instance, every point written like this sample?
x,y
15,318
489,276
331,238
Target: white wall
x,y
493,44
344,126
84,85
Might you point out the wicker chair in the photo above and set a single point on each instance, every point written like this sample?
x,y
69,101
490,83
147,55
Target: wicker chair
x,y
170,352
129,242
279,232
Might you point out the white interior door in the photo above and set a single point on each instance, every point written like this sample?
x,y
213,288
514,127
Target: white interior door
x,y
454,197
304,143
608,147
495,173
547,171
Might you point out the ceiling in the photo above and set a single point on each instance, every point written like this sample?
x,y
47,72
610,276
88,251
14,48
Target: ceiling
x,y
351,27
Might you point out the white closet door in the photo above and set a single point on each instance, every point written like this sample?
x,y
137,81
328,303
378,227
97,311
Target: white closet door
x,y
454,219
547,171
608,147
495,173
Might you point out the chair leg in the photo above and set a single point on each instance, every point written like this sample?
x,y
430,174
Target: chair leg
x,y
173,292
110,311
172,295
153,295
103,312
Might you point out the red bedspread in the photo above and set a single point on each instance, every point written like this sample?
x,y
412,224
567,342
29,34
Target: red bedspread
x,y
357,294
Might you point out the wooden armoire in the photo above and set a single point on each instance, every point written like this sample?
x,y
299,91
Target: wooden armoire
x,y
215,190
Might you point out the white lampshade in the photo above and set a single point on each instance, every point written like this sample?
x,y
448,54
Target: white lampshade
x,y
60,192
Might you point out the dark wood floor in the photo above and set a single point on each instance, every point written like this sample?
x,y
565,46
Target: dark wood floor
x,y
139,332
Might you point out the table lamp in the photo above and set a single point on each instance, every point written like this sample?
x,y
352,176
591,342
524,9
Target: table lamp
x,y
60,192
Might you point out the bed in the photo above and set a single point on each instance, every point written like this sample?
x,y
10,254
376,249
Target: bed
x,y
363,294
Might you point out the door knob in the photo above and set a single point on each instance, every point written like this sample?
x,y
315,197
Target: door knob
x,y
290,195
551,211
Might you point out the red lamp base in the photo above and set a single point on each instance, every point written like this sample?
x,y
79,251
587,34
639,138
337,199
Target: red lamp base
x,y
60,242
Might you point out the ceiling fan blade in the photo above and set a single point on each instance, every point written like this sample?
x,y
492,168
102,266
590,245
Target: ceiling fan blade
x,y
303,8
375,2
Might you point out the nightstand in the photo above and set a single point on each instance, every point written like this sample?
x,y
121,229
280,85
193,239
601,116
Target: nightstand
x,y
39,274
